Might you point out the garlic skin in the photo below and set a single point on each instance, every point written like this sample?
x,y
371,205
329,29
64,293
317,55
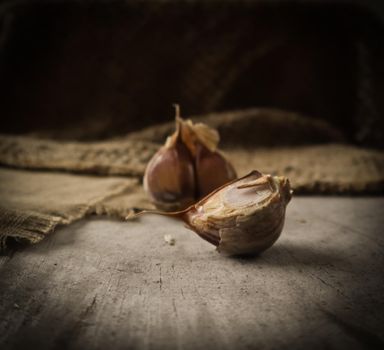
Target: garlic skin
x,y
244,217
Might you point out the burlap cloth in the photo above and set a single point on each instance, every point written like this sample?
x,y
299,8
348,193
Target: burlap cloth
x,y
44,183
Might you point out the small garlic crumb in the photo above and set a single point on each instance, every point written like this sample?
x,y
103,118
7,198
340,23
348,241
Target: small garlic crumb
x,y
169,239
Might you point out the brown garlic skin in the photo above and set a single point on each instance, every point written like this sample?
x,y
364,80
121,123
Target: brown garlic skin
x,y
187,167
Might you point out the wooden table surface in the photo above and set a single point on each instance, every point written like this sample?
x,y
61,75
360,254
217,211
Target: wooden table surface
x,y
104,284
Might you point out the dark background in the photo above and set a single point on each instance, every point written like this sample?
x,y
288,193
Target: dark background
x,y
92,70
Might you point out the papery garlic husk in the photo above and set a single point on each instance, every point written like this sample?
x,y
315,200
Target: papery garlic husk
x,y
169,178
243,217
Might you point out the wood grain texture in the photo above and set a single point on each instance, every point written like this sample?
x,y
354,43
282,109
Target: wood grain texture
x,y
102,284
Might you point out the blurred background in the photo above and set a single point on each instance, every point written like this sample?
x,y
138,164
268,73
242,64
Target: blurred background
x,y
89,70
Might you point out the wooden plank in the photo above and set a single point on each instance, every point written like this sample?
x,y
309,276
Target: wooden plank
x,y
101,284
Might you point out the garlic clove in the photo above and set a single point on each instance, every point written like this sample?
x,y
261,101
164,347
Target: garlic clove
x,y
169,178
212,170
243,217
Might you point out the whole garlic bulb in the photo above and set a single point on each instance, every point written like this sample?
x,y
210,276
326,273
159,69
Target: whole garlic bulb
x,y
243,217
187,167
169,178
